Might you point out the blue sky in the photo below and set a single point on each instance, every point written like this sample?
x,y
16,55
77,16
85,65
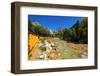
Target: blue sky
x,y
54,22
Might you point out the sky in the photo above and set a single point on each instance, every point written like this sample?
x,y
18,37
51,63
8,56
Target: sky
x,y
54,22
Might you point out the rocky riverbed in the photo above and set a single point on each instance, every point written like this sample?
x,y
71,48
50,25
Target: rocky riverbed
x,y
54,48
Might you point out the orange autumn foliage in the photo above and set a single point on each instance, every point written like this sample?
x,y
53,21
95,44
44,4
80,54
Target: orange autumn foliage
x,y
32,45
